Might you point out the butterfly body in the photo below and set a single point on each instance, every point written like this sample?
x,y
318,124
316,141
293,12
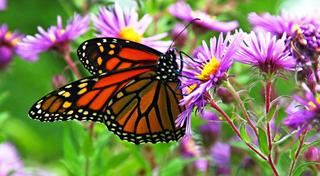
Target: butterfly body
x,y
133,91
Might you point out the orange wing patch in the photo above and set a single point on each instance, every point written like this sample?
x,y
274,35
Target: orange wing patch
x,y
134,54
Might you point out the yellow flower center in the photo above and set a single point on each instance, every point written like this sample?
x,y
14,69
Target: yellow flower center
x,y
209,69
129,33
312,105
53,38
296,28
8,37
191,88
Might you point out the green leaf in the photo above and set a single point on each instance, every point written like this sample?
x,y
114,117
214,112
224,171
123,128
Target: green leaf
x,y
88,146
273,110
175,166
71,160
263,142
244,134
306,146
299,170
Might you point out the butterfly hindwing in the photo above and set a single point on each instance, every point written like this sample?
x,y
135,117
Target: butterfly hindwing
x,y
145,110
105,55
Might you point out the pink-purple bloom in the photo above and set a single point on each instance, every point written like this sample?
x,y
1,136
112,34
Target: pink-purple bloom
x,y
124,23
266,52
10,161
3,4
184,12
188,147
276,25
221,154
304,112
206,71
8,44
56,38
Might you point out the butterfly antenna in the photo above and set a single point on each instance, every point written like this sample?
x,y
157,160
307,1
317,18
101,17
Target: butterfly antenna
x,y
174,39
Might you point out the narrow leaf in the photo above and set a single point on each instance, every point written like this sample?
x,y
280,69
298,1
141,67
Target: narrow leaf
x,y
244,134
299,170
263,142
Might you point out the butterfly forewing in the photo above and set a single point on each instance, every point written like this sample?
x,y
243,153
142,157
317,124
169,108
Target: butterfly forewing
x,y
85,99
105,55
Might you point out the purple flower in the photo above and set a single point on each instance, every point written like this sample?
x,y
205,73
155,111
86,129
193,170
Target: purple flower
x,y
265,52
10,161
276,25
306,40
8,45
124,23
188,148
211,130
184,12
206,71
201,164
55,38
221,154
304,112
3,4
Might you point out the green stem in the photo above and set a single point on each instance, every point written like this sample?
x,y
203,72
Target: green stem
x,y
269,135
297,153
233,126
237,97
71,64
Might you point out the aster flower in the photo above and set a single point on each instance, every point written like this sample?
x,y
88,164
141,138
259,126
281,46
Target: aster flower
x,y
265,52
188,148
206,71
304,112
55,38
8,44
276,25
184,12
10,161
124,23
221,154
3,4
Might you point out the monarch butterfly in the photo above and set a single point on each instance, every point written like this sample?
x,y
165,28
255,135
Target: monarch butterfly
x,y
133,91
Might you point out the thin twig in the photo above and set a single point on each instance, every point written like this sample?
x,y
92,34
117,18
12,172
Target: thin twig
x,y
237,97
296,155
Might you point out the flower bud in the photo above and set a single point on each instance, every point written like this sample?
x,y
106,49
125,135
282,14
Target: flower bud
x,y
58,81
225,95
5,56
312,154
